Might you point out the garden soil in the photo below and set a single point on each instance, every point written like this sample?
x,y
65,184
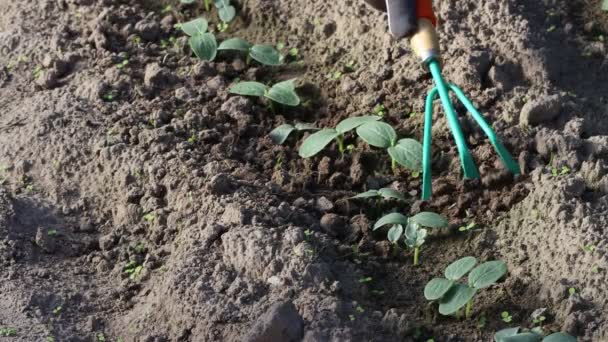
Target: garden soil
x,y
142,202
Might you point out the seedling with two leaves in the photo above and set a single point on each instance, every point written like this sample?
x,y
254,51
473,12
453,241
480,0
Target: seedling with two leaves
x,y
453,295
385,193
411,230
282,92
514,335
316,142
226,12
263,53
405,152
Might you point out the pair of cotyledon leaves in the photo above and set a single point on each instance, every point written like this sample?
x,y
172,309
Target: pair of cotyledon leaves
x,y
225,11
407,152
205,46
453,295
282,92
413,233
513,335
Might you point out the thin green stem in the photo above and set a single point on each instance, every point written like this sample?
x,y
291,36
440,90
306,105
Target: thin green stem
x,y
341,148
248,59
207,5
467,310
394,165
416,255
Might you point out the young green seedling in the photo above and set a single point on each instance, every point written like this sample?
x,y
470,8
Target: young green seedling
x,y
385,193
263,53
225,11
133,269
202,43
319,140
413,234
514,335
405,152
280,134
453,295
506,317
282,92
468,227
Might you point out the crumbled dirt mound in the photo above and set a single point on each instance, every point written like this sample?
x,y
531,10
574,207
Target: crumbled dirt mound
x,y
145,203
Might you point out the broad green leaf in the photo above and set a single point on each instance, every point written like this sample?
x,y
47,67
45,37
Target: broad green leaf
x,y
249,88
221,3
227,13
430,220
367,194
187,2
394,234
414,236
237,44
605,5
487,274
388,193
407,153
505,333
460,267
436,288
302,126
195,27
281,133
457,297
265,54
317,142
377,134
559,337
204,46
523,337
352,123
392,218
284,93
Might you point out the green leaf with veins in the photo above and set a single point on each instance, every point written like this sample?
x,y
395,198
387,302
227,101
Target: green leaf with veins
x,y
302,126
487,274
457,297
388,193
377,134
227,13
459,268
407,153
414,236
436,288
392,218
394,234
284,93
204,46
265,54
559,337
195,27
367,194
316,142
249,88
237,44
281,133
430,220
354,122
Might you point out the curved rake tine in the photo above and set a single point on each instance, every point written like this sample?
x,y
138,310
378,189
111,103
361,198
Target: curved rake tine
x,y
426,145
502,152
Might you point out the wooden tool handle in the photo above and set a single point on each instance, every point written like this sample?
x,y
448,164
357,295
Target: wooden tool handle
x,y
425,42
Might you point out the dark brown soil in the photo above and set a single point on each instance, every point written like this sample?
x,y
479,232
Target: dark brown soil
x,y
104,169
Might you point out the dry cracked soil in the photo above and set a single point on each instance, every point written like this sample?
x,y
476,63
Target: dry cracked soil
x,y
143,202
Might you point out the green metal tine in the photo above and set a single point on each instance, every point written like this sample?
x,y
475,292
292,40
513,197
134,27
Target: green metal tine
x,y
426,145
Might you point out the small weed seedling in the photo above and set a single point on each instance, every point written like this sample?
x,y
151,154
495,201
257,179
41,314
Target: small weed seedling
x,y
282,92
453,295
405,152
133,269
468,227
506,317
57,310
280,134
413,234
8,332
514,335
262,53
316,142
555,171
380,110
572,291
385,193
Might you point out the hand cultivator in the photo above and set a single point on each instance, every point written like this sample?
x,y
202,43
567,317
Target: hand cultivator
x,y
426,46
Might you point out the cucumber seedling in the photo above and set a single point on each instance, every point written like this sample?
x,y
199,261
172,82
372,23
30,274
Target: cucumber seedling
x,y
514,335
202,43
263,53
282,92
453,295
226,12
385,193
405,152
316,142
411,230
280,134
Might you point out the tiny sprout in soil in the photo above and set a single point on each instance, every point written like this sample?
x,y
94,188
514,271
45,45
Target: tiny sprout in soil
x,y
514,335
282,92
263,53
413,234
380,110
506,317
280,134
8,332
385,193
133,269
467,227
453,295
